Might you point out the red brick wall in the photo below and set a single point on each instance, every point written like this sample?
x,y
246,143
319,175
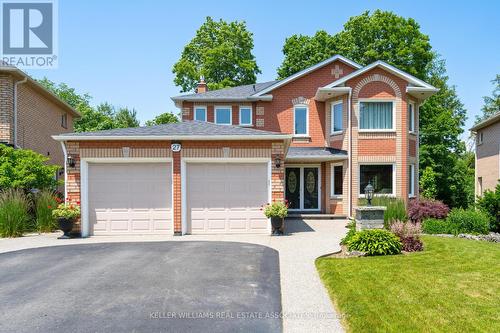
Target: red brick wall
x,y
376,147
412,147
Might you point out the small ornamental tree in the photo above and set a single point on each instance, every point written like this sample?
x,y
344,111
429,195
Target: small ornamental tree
x,y
25,169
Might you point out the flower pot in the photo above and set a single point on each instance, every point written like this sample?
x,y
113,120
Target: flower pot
x,y
66,225
277,224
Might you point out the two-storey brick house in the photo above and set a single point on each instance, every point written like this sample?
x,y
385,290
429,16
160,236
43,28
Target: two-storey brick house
x,y
316,139
30,115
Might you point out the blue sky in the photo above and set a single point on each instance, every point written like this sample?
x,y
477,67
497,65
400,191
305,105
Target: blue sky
x,y
123,51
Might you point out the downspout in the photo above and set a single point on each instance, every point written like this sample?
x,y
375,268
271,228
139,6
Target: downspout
x,y
14,102
65,152
349,154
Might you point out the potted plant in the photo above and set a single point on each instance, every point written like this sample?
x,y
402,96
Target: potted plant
x,y
66,213
276,211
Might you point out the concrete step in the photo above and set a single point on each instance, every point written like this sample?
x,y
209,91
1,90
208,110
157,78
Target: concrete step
x,y
316,216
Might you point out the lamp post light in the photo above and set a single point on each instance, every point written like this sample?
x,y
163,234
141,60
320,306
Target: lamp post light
x,y
369,190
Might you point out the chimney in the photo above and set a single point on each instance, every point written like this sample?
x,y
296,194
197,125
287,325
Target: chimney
x,y
202,86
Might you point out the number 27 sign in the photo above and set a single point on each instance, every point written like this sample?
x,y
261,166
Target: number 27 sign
x,y
176,147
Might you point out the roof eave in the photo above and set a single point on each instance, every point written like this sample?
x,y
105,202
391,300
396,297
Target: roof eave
x,y
315,158
322,94
485,123
170,137
179,99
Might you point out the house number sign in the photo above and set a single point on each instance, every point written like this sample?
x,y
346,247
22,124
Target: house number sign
x,y
176,147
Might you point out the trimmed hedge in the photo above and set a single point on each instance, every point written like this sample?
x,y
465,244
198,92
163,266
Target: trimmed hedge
x,y
436,226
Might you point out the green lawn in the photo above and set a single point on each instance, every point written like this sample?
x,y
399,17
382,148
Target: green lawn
x,y
452,286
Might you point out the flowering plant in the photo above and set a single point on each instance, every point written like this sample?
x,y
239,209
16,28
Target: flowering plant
x,y
276,209
67,210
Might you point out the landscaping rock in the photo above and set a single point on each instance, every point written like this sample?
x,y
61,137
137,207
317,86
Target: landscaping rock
x,y
491,237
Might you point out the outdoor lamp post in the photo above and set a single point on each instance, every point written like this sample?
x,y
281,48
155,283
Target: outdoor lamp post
x,y
369,190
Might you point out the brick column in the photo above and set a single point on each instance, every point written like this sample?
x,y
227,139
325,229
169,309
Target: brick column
x,y
278,174
176,205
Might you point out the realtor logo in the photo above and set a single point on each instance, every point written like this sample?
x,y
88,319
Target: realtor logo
x,y
29,33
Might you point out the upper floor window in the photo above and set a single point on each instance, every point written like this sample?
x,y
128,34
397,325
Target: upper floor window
x,y
479,138
301,121
376,115
337,116
64,120
223,115
411,117
200,113
245,116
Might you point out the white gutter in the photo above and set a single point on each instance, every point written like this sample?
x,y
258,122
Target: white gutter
x,y
349,154
171,137
14,102
65,152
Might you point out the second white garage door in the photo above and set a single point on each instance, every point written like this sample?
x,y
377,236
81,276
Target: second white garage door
x,y
226,197
130,198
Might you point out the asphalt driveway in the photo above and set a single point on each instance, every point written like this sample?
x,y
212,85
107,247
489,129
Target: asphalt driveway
x,y
141,287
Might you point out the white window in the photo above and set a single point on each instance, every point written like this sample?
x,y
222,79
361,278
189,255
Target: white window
x,y
381,176
301,120
411,180
223,115
337,117
479,139
337,180
64,120
200,113
376,115
245,116
411,117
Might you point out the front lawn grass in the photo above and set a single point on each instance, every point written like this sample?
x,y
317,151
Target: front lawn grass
x,y
452,286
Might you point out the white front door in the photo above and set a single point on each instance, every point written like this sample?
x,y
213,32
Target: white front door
x,y
226,197
302,187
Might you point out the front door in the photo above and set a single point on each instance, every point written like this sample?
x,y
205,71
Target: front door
x,y
302,190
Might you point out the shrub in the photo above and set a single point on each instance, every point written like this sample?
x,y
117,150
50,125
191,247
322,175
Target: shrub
x,y
490,204
468,221
375,242
352,231
396,209
14,213
276,209
436,226
418,210
25,169
409,235
45,203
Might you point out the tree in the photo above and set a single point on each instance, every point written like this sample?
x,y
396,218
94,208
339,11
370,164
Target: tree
x,y
491,104
164,118
25,169
125,118
428,184
399,42
365,38
221,52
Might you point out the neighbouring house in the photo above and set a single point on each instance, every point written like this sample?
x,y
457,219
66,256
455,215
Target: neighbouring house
x,y
487,134
316,139
30,114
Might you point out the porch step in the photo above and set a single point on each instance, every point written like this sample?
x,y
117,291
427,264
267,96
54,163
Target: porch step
x,y
316,216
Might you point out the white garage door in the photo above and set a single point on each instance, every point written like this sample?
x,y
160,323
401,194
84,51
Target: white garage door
x,y
130,198
226,197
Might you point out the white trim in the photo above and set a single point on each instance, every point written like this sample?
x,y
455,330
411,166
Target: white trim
x,y
220,107
349,156
394,179
332,118
251,115
332,180
411,189
170,137
185,160
301,106
200,107
392,69
301,194
411,117
369,100
306,71
84,175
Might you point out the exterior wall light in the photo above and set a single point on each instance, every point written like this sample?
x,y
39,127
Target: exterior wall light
x,y
277,162
369,191
70,161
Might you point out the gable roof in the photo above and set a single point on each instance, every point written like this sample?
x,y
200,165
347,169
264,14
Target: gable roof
x,y
487,122
186,130
307,71
226,94
10,69
405,76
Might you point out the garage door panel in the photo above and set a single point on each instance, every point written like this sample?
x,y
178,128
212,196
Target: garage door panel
x,y
226,197
130,198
